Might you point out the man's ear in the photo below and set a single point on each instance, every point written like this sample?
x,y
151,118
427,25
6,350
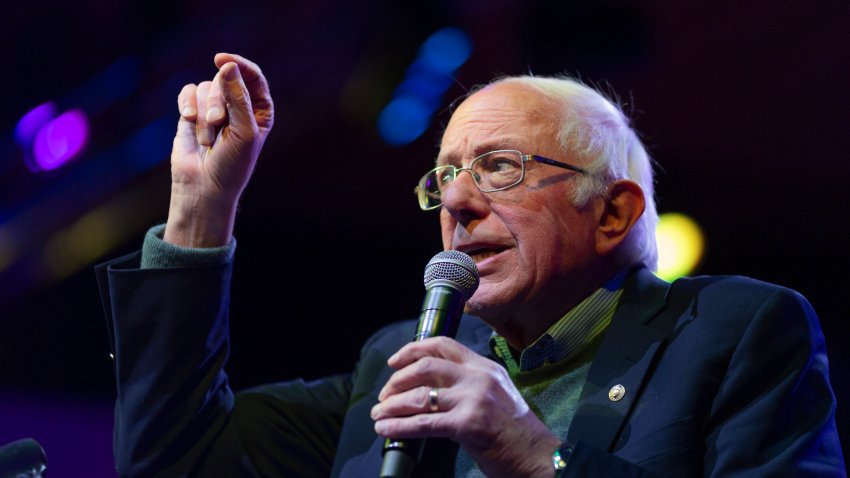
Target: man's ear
x,y
621,209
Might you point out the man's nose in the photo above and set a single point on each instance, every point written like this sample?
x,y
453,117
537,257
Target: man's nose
x,y
462,198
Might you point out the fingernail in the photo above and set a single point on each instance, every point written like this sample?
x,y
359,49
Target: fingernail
x,y
214,113
375,410
393,357
188,111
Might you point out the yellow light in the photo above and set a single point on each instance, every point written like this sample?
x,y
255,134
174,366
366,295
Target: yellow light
x,y
99,231
78,245
680,245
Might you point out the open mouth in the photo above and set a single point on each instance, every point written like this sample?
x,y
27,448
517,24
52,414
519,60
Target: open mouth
x,y
483,253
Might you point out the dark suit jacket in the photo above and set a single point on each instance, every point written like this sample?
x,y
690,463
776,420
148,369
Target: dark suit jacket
x,y
723,376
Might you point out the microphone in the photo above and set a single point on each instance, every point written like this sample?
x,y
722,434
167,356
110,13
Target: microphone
x,y
450,279
22,459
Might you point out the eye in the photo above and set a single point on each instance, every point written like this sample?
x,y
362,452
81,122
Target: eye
x,y
499,164
442,177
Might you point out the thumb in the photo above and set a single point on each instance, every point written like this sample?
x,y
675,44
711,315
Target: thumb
x,y
235,94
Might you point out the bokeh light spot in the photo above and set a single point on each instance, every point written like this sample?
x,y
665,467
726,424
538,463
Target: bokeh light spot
x,y
29,125
60,140
446,49
681,245
427,87
72,248
403,120
417,97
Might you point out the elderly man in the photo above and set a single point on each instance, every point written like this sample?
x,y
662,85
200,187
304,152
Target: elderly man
x,y
573,360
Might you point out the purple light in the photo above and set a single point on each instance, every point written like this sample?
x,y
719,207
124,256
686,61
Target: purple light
x,y
31,122
60,140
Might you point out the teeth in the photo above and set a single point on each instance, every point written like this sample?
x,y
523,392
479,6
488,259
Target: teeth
x,y
480,256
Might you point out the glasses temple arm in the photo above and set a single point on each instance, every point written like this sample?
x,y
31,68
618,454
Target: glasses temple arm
x,y
552,162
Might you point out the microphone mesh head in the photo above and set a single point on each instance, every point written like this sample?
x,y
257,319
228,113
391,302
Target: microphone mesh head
x,y
455,269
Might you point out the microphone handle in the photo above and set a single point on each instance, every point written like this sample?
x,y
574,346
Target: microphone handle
x,y
22,459
441,313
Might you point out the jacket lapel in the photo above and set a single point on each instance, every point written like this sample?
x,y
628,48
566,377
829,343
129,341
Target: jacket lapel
x,y
619,368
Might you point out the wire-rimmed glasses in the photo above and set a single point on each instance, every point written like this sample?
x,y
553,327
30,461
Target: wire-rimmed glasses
x,y
493,171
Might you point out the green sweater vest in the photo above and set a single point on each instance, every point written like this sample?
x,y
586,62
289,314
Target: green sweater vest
x,y
552,392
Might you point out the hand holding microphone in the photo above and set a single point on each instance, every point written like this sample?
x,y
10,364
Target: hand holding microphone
x,y
450,279
441,388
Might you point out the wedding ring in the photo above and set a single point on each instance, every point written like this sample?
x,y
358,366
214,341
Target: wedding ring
x,y
433,394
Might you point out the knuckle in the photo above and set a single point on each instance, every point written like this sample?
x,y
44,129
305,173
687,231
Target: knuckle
x,y
423,399
427,365
496,377
442,340
203,88
426,424
389,428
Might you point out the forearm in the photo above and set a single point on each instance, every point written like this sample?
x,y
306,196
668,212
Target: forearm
x,y
168,318
175,414
171,343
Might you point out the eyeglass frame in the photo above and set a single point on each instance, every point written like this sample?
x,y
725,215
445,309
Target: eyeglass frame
x,y
524,157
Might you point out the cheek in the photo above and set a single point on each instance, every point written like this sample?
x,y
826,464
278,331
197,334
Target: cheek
x,y
574,244
551,238
542,244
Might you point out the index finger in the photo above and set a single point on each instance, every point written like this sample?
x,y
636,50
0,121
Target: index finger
x,y
250,70
442,347
255,81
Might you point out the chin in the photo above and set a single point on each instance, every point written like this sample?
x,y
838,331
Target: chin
x,y
487,305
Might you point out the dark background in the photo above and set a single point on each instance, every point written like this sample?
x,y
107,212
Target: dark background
x,y
744,107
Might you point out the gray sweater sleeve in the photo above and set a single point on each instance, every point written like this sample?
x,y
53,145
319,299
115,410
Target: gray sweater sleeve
x,y
158,254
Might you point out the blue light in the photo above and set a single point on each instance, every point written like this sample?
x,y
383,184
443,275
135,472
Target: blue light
x,y
445,50
30,124
116,82
150,145
428,88
426,81
403,120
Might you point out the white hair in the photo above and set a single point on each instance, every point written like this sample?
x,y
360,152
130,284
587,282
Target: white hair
x,y
595,129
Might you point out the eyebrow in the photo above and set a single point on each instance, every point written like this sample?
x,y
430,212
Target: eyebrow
x,y
480,149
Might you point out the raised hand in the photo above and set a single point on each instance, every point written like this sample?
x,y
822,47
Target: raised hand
x,y
477,406
223,125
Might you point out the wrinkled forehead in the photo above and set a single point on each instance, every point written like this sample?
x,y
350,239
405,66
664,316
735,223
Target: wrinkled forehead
x,y
507,98
499,116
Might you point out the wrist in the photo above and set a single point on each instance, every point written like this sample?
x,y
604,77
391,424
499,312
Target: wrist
x,y
158,254
199,222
